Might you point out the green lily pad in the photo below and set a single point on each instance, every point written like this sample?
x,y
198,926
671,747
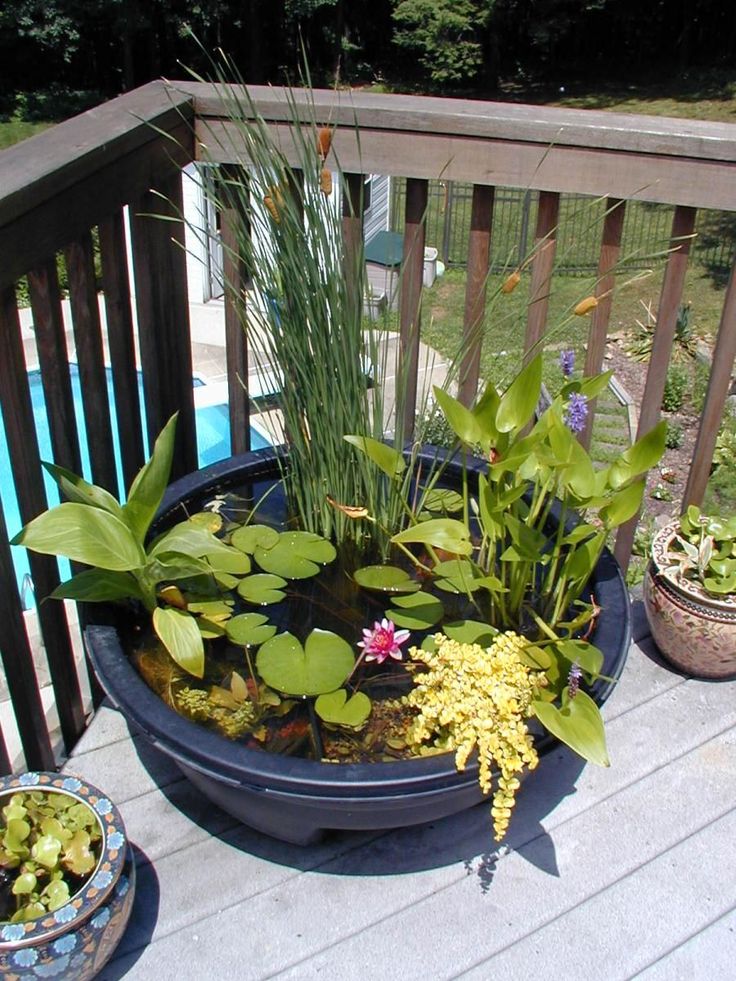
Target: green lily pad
x,y
251,537
337,709
296,555
386,579
262,589
470,632
320,666
456,576
209,520
417,611
233,562
210,629
250,629
443,500
212,609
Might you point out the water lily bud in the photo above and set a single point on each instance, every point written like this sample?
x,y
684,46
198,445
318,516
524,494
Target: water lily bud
x,y
325,182
511,282
586,305
324,141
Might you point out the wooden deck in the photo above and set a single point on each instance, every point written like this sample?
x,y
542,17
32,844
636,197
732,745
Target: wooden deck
x,y
620,873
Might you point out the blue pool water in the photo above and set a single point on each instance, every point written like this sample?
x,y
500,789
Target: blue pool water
x,y
213,444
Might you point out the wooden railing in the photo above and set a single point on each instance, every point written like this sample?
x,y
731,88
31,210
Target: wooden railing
x,y
60,186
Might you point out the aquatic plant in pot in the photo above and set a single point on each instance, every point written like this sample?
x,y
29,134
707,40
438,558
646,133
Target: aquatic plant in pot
x,y
67,877
690,593
486,568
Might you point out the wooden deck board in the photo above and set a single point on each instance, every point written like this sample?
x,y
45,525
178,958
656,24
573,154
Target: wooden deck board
x,y
624,870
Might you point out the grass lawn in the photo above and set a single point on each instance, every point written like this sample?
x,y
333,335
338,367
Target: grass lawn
x,y
14,130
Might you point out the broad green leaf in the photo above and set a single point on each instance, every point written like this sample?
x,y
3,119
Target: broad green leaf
x,y
388,460
169,566
585,654
579,533
209,629
79,491
470,632
461,420
262,589
589,387
233,562
99,586
485,411
212,609
417,611
581,562
250,629
457,576
179,633
518,402
147,490
386,579
578,724
445,533
321,666
83,534
251,537
337,709
720,586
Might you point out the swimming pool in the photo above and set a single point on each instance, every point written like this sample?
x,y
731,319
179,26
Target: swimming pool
x,y
213,444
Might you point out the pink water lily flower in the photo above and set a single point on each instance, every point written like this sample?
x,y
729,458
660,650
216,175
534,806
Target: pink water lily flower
x,y
383,641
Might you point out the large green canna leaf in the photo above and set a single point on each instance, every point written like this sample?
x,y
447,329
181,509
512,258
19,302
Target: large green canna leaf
x,y
147,490
518,402
83,534
99,586
189,539
180,635
578,724
79,491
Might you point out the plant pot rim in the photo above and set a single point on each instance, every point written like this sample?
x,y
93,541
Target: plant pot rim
x,y
102,879
212,755
692,591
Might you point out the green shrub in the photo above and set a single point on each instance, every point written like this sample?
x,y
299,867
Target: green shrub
x,y
674,389
673,439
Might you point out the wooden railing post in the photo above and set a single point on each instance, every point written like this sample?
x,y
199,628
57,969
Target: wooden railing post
x,y
719,382
410,301
479,252
159,266
353,201
545,244
613,225
683,227
91,360
121,342
17,410
235,278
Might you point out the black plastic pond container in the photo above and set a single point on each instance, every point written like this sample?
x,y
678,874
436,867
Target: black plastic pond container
x,y
297,799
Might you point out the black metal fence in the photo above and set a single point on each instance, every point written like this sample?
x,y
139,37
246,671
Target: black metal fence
x,y
646,233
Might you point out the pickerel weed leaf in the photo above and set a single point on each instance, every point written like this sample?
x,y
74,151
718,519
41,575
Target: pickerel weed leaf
x,y
578,724
518,402
337,709
639,457
320,666
389,460
461,420
583,653
262,589
386,579
250,629
179,633
444,533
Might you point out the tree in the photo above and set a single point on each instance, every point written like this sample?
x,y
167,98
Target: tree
x,y
447,35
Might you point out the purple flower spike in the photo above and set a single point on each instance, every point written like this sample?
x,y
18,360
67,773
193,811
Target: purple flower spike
x,y
576,412
573,679
567,363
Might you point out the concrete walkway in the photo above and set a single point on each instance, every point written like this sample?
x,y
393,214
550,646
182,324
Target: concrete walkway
x,y
618,873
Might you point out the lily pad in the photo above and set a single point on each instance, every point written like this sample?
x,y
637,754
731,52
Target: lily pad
x,y
417,611
470,632
210,629
209,520
456,576
296,555
444,500
320,666
262,589
212,609
337,709
233,562
250,629
251,537
386,579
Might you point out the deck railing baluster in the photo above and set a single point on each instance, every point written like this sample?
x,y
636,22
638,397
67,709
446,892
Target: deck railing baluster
x,y
410,299
479,256
545,244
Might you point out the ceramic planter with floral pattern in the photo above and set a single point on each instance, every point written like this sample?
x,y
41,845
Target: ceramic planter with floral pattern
x,y
76,940
694,630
